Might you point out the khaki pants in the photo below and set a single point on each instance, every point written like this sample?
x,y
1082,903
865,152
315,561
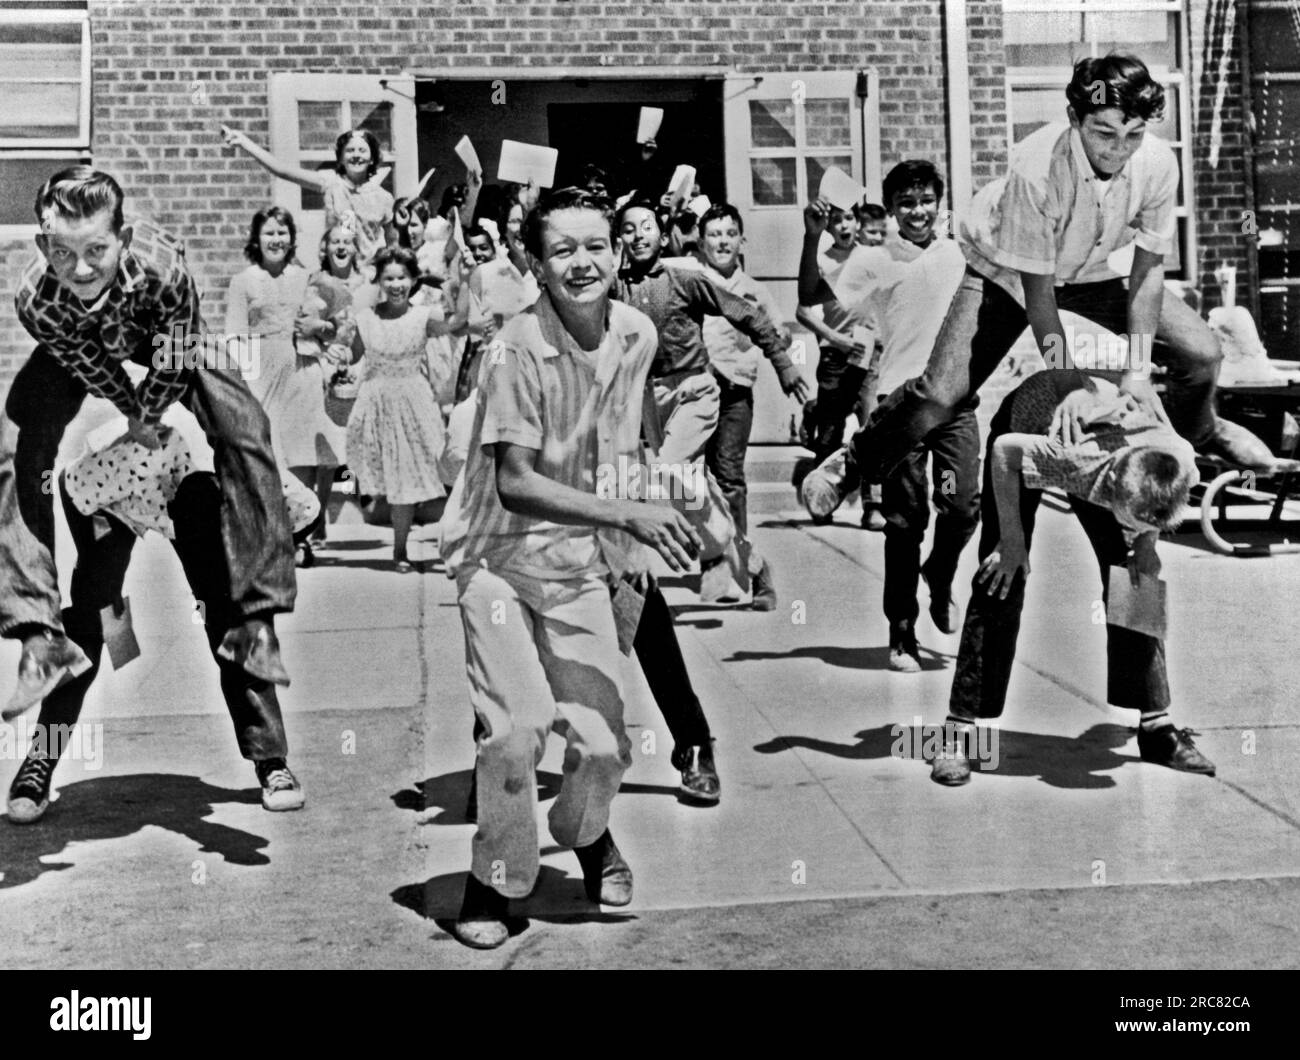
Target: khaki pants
x,y
688,411
533,651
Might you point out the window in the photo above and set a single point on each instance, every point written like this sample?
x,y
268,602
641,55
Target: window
x,y
45,117
1044,38
793,144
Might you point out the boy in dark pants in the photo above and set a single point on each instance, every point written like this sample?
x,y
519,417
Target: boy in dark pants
x,y
104,544
1127,479
900,290
105,293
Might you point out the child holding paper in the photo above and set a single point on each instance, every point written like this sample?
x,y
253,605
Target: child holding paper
x,y
1127,479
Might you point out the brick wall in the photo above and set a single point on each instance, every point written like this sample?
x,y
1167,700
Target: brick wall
x,y
160,138
1220,188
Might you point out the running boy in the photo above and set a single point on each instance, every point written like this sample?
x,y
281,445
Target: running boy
x,y
534,550
900,290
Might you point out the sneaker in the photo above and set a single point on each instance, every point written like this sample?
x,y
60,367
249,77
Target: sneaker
x,y
717,577
950,766
699,774
280,788
482,920
1172,747
764,589
304,557
605,874
873,520
29,794
48,660
822,490
943,608
904,652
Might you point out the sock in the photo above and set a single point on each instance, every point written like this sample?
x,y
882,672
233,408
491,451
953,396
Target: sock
x,y
1154,720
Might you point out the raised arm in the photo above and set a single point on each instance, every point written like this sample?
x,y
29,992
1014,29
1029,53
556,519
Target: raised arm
x,y
306,178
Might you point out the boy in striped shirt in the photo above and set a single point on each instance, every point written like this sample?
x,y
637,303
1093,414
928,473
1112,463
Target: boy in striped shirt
x,y
534,550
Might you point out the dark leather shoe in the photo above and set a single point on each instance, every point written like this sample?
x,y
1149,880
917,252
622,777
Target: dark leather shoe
x,y
606,876
763,589
1233,443
482,920
1173,747
943,609
48,660
699,774
255,648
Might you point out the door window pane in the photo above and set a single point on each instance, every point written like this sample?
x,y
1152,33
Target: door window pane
x,y
826,122
36,110
319,124
376,118
774,182
771,123
817,165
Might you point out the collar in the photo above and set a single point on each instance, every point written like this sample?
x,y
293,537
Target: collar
x,y
631,274
1085,167
556,335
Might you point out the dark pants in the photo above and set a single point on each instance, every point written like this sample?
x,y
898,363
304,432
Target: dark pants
x,y
1135,662
840,386
955,450
103,553
725,453
660,656
983,323
254,524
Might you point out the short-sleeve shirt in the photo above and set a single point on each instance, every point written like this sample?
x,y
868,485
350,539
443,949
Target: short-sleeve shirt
x,y
1048,216
901,292
370,207
153,299
582,411
1083,470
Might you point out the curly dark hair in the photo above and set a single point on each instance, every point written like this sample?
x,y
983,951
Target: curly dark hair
x,y
1115,80
253,248
342,142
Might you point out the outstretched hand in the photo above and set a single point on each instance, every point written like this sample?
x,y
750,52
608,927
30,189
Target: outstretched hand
x,y
665,530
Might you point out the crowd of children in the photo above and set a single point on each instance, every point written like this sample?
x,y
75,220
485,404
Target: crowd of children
x,y
508,350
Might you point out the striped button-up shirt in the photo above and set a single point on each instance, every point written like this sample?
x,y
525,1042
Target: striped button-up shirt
x,y
1051,216
152,297
581,410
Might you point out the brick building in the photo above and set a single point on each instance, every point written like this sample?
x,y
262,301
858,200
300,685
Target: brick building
x,y
759,95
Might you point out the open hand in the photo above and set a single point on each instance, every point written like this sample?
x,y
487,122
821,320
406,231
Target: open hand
x,y
1000,567
665,530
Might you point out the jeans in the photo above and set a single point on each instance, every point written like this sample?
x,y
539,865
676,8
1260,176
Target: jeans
x,y
255,534
840,386
103,554
955,450
1135,662
983,323
725,453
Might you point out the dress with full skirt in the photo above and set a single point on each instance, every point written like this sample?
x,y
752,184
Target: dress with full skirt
x,y
396,431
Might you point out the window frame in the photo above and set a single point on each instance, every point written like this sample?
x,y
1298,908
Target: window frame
x,y
47,16
1050,77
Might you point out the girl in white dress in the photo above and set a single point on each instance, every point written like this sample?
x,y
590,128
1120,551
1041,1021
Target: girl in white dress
x,y
396,431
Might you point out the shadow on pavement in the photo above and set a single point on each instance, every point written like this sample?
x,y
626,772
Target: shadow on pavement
x,y
849,658
442,799
1060,761
558,898
116,807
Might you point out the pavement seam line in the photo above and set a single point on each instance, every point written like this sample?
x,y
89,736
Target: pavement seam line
x,y
749,697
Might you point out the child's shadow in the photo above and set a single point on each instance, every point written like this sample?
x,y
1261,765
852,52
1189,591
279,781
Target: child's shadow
x,y
119,806
557,898
849,658
1060,761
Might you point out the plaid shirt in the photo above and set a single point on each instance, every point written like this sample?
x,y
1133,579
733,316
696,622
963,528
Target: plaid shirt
x,y
152,295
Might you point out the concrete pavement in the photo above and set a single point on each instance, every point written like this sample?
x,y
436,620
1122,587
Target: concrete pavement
x,y
828,848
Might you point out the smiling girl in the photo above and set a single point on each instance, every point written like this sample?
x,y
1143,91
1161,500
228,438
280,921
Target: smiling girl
x,y
350,188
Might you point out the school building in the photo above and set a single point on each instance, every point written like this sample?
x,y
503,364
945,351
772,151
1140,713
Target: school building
x,y
760,96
